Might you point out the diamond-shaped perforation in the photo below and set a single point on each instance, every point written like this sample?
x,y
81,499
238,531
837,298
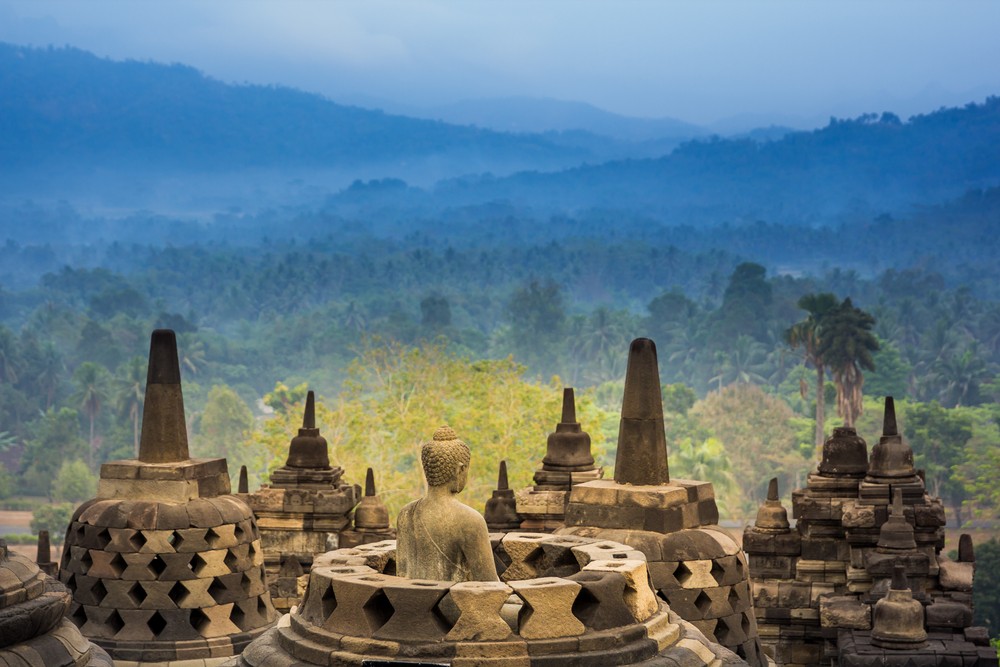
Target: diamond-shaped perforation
x,y
79,616
723,633
378,610
86,561
734,600
251,551
199,621
328,602
176,540
103,538
231,561
156,624
178,593
81,531
115,622
238,532
237,616
137,594
745,624
157,566
197,564
98,591
118,564
703,602
212,538
138,540
217,590
70,581
245,584
262,607
682,574
718,572
739,568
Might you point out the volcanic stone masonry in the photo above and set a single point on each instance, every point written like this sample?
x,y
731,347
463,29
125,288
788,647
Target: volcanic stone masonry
x,y
33,629
694,564
567,462
164,565
306,505
861,579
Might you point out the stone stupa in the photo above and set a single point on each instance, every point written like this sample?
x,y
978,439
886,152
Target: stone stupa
x,y
694,564
33,628
307,504
164,564
861,580
568,461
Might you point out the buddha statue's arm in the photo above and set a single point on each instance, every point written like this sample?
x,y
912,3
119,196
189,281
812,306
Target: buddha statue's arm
x,y
478,552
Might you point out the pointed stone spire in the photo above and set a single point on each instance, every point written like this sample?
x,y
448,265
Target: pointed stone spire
x,y
501,509
966,554
568,449
244,483
164,431
642,443
896,533
891,457
898,619
772,516
371,514
44,556
308,449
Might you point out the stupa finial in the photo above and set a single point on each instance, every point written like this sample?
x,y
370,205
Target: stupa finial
x,y
642,443
164,431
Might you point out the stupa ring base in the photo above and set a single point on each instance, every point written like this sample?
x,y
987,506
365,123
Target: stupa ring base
x,y
562,600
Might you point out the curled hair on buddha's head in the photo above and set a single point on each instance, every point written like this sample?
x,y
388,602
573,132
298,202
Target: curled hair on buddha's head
x,y
441,456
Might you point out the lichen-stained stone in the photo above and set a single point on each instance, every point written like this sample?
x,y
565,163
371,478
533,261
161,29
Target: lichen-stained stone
x,y
415,614
548,608
601,602
955,576
604,550
525,552
361,606
639,597
479,604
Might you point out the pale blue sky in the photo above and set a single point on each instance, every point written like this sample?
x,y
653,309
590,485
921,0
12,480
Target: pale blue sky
x,y
698,61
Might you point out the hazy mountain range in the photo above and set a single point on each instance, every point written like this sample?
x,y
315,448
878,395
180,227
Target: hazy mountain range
x,y
129,135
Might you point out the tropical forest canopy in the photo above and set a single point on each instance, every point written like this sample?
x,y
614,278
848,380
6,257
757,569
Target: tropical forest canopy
x,y
415,273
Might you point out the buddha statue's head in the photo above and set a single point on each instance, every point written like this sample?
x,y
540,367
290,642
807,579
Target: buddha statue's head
x,y
445,460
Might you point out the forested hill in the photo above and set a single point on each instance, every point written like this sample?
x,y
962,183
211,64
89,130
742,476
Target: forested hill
x,y
67,105
872,164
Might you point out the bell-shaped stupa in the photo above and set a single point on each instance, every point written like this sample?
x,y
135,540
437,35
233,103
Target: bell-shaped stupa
x,y
164,564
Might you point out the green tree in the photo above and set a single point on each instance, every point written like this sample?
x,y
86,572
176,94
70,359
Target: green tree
x,y
53,518
91,380
6,483
225,424
846,345
746,305
938,437
55,438
758,438
986,586
892,372
395,396
537,317
435,312
74,482
283,398
806,335
130,392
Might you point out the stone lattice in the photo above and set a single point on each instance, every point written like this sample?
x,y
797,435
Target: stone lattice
x,y
561,601
693,564
164,565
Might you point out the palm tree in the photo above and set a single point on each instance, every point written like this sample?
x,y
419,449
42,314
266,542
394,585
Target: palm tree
x,y
50,371
130,392
91,380
743,364
806,334
192,353
846,345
